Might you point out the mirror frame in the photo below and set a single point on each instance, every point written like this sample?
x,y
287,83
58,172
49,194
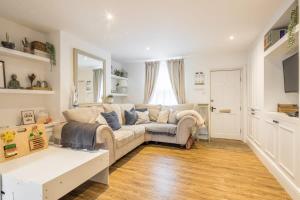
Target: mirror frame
x,y
75,72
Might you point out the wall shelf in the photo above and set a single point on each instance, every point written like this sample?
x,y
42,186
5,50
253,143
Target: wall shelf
x,y
20,54
119,95
118,77
281,49
24,91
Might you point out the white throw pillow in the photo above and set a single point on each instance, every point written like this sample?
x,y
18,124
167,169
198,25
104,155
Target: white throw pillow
x,y
163,116
143,117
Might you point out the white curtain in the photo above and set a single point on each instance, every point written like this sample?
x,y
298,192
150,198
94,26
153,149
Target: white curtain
x,y
151,73
97,84
176,73
163,93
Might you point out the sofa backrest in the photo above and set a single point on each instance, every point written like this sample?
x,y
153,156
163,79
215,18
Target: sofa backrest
x,y
83,114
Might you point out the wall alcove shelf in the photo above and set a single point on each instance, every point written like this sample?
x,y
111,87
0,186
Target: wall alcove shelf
x,y
20,54
24,91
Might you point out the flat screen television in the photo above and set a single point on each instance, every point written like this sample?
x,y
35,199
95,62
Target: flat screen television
x,y
291,74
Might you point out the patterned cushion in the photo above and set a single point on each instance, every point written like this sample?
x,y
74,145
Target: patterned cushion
x,y
163,116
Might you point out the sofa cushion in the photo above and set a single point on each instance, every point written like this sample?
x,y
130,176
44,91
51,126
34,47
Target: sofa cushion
x,y
112,120
130,117
114,107
172,117
143,117
153,110
123,137
84,115
169,129
125,107
137,129
163,116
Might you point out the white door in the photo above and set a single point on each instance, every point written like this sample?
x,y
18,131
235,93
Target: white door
x,y
226,104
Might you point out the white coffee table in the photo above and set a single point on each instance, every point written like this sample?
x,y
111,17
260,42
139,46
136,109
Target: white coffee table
x,y
52,173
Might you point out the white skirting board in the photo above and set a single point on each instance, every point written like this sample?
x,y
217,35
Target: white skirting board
x,y
284,180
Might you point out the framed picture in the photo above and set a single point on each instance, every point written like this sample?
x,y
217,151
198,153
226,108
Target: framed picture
x,y
2,75
28,117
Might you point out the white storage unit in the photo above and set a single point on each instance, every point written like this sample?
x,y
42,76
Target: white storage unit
x,y
52,173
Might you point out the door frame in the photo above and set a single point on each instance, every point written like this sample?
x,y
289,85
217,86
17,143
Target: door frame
x,y
243,76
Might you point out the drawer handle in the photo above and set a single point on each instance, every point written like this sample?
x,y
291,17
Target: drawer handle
x,y
275,121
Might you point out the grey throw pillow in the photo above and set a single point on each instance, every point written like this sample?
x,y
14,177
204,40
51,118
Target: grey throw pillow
x,y
130,117
112,120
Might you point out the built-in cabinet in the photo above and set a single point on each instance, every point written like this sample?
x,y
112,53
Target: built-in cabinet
x,y
273,136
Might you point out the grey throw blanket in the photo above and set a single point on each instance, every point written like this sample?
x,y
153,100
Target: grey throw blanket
x,y
77,135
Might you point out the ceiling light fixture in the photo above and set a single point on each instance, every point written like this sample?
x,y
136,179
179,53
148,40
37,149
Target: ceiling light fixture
x,y
231,37
109,16
148,48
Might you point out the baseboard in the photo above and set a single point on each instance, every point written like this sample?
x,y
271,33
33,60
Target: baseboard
x,y
281,177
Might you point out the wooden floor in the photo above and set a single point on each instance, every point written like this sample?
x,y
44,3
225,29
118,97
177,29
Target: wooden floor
x,y
222,169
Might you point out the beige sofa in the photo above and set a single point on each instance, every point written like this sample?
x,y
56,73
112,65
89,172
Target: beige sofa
x,y
122,141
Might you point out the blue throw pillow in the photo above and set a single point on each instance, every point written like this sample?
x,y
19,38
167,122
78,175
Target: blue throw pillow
x,y
112,120
130,117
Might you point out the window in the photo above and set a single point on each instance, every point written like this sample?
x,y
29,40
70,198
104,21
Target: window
x,y
163,93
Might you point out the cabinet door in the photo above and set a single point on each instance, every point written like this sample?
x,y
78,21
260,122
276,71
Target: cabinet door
x,y
287,147
256,129
270,135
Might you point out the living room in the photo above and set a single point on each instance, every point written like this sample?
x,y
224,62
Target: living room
x,y
169,99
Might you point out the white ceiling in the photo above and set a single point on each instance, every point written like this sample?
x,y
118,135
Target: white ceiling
x,y
170,27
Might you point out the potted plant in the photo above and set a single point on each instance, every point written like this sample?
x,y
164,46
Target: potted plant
x,y
26,46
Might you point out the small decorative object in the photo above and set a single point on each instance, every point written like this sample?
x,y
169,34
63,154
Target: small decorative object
x,y
273,36
31,78
75,100
38,84
36,141
117,72
10,148
7,43
44,84
109,99
292,26
2,75
14,83
28,117
38,46
51,50
26,46
125,73
43,117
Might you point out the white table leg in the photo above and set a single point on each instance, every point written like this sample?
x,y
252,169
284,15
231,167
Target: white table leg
x,y
102,177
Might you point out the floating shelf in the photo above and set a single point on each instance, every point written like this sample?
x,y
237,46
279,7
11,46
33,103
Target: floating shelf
x,y
119,95
118,77
281,49
20,54
24,91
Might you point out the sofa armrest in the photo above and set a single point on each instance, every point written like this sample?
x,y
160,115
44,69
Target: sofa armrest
x,y
184,129
104,138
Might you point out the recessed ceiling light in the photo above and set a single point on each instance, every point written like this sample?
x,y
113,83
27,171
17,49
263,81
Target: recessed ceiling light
x,y
148,48
85,58
109,16
231,37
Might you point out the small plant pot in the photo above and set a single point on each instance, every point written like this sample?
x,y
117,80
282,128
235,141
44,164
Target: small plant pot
x,y
27,50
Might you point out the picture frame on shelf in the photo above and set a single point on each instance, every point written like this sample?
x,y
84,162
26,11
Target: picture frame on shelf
x,y
2,75
28,117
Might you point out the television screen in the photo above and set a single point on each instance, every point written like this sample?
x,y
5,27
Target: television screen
x,y
291,74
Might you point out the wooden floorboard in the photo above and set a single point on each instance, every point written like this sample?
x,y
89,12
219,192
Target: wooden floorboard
x,y
220,170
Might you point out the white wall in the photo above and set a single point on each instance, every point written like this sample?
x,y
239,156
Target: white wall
x,y
67,43
200,63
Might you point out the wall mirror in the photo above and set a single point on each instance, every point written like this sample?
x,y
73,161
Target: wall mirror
x,y
89,77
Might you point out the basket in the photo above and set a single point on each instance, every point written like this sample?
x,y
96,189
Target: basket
x,y
38,45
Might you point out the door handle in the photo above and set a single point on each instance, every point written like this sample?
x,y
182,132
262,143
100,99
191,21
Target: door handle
x,y
212,109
